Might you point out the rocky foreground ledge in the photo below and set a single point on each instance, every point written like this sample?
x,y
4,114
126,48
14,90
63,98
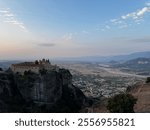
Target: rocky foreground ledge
x,y
142,93
48,91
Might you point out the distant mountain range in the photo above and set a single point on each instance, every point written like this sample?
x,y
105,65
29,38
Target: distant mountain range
x,y
138,61
139,65
117,58
101,59
131,56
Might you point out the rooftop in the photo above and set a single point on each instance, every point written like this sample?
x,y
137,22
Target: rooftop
x,y
37,63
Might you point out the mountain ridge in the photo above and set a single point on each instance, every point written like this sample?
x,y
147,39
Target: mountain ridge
x,y
117,58
107,59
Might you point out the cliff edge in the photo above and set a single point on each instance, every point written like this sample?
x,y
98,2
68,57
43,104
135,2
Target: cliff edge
x,y
142,93
47,91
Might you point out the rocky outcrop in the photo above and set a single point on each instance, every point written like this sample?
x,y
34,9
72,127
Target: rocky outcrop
x,y
142,93
10,96
48,91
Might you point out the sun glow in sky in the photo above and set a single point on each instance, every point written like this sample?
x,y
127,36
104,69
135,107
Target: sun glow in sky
x,y
71,28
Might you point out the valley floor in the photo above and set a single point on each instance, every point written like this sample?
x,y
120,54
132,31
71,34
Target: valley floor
x,y
97,80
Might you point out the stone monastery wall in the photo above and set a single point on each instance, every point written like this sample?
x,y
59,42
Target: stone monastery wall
x,y
22,69
33,66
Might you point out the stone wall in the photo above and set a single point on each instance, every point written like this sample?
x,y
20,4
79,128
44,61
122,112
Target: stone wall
x,y
22,69
34,68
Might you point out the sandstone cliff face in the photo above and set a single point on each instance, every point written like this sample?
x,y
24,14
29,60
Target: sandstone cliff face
x,y
49,91
42,89
10,96
142,93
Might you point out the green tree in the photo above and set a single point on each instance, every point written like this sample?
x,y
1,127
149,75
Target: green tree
x,y
36,62
148,80
1,69
43,71
29,72
121,103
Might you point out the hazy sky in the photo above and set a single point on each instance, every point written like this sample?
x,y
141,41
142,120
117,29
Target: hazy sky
x,y
71,28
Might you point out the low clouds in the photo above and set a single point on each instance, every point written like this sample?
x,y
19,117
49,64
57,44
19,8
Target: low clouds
x,y
126,20
139,14
10,18
46,44
141,40
68,36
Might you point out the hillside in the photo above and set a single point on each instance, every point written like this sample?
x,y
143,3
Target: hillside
x,y
107,59
140,66
142,93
